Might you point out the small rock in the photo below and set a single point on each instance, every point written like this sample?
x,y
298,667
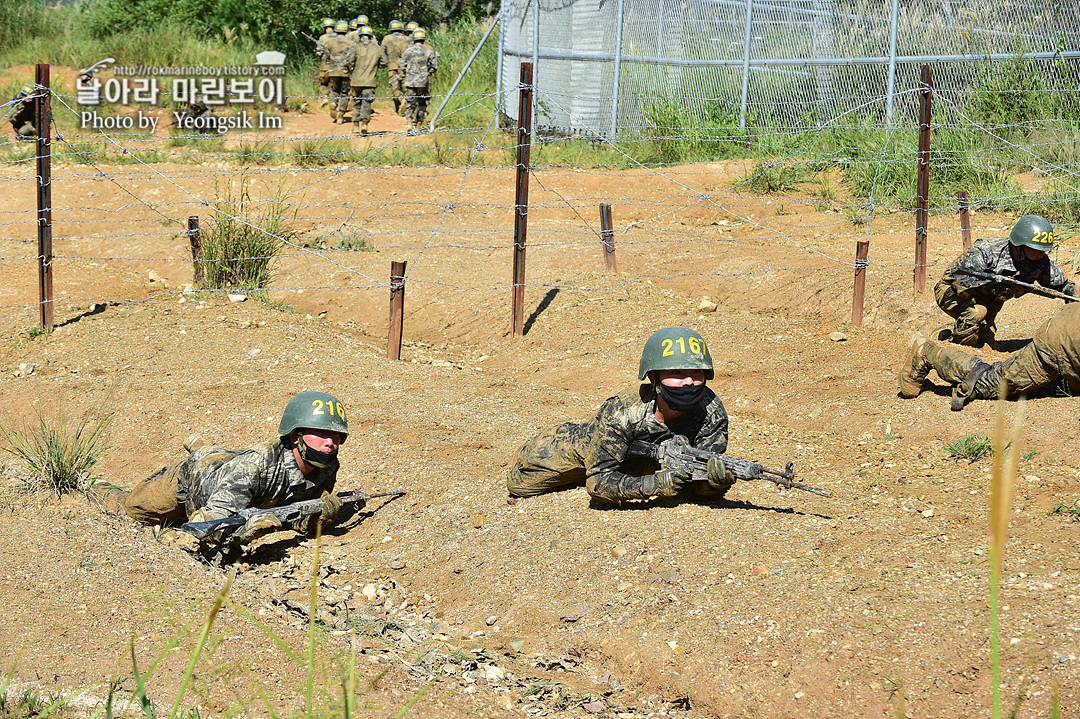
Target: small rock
x,y
27,368
478,521
1013,642
236,298
182,300
618,552
837,336
576,614
506,702
707,305
369,591
759,571
152,276
188,289
928,513
449,669
397,564
491,620
493,673
594,707
254,352
800,695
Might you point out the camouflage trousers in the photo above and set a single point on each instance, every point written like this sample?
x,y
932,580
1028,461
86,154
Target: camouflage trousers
x,y
26,132
1021,372
154,500
416,100
339,95
550,460
397,87
974,322
362,97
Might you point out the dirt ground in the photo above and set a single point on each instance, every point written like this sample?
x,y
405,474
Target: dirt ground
x,y
872,602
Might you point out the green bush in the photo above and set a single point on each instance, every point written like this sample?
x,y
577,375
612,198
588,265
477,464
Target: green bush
x,y
59,456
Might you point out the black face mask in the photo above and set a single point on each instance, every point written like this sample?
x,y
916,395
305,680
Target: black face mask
x,y
684,398
316,458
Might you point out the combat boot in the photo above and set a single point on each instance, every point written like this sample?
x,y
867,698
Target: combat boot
x,y
356,127
194,442
914,369
965,391
363,127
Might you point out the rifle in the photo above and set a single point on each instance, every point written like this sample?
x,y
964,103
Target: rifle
x,y
1033,289
676,453
220,530
319,46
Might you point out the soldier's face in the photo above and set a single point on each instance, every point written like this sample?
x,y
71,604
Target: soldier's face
x,y
681,377
321,440
1032,254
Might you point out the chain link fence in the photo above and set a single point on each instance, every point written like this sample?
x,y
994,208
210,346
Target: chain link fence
x,y
796,64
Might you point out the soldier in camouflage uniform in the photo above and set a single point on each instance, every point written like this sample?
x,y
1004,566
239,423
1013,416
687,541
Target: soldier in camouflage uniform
x,y
394,43
214,483
675,400
370,56
419,62
341,56
975,302
22,117
324,63
1052,354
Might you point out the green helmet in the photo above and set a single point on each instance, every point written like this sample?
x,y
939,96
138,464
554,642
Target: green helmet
x,y
341,27
419,35
396,26
675,348
353,24
328,22
314,410
410,26
1034,232
365,30
362,20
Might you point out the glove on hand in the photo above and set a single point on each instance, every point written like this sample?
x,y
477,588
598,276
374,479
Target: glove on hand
x,y
256,527
667,482
720,477
331,506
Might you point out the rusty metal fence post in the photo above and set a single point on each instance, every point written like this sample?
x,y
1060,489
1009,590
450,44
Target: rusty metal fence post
x,y
922,210
965,220
521,199
42,123
197,269
397,310
607,236
862,251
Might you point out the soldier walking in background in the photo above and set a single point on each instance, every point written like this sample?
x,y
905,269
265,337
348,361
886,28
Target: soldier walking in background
x,y
419,62
976,301
674,401
370,56
394,43
341,56
324,64
22,116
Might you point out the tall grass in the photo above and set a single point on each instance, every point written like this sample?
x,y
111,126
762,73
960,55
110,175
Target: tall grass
x,y
59,455
246,235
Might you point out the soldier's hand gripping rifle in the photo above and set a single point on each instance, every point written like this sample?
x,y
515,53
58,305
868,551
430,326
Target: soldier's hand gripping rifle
x,y
1027,287
676,453
220,530
319,46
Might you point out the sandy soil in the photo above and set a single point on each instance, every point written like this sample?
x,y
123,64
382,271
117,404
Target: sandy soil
x,y
871,603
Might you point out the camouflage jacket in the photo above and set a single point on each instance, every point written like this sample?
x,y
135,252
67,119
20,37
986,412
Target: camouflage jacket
x,y
369,58
394,44
222,482
322,52
419,63
342,56
994,256
24,110
610,473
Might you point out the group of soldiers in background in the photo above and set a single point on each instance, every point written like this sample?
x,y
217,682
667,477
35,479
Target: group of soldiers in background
x,y
351,57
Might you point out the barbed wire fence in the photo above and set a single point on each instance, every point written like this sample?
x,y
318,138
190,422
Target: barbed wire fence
x,y
446,213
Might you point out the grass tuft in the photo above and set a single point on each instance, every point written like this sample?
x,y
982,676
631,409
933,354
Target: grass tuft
x,y
971,447
59,456
1063,507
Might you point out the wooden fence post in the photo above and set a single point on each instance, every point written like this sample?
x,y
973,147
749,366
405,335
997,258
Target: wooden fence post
x,y
922,210
397,310
862,251
42,123
521,200
965,220
607,236
197,269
